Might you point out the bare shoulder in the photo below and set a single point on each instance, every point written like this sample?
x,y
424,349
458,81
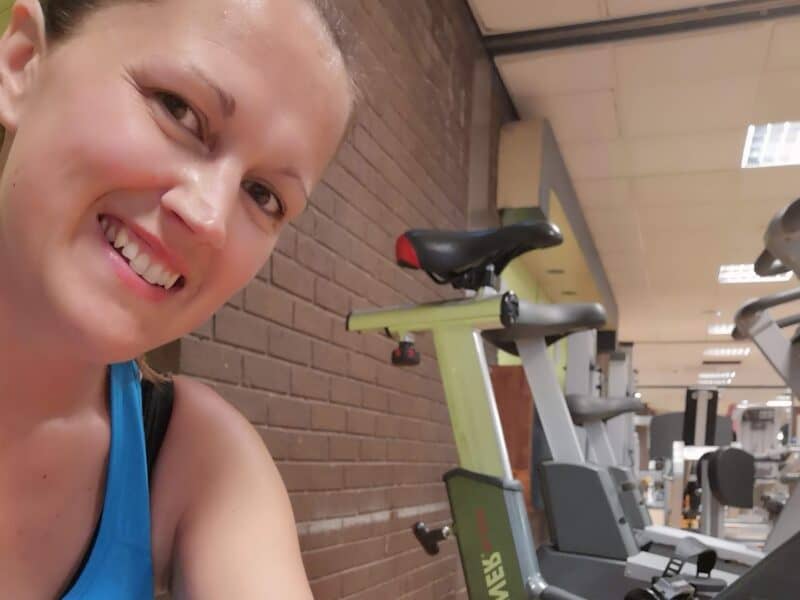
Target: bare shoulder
x,y
226,503
208,440
212,424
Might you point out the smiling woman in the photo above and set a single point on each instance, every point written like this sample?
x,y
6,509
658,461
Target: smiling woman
x,y
153,152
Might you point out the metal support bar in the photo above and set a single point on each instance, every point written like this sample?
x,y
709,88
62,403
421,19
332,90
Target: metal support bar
x,y
487,313
549,401
600,444
662,23
470,400
712,517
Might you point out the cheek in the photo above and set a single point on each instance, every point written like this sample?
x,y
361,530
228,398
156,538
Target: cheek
x,y
246,251
94,140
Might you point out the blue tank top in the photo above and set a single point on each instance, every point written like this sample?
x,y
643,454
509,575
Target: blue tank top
x,y
119,565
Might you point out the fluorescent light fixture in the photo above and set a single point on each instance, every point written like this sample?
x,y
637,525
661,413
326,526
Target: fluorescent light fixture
x,y
727,352
720,329
772,145
779,403
713,382
747,274
717,375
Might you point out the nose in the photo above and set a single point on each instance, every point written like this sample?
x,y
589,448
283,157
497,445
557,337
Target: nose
x,y
203,199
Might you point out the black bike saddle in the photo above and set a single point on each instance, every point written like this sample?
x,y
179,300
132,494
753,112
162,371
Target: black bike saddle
x,y
461,257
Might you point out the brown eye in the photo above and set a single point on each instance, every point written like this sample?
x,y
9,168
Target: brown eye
x,y
181,112
266,199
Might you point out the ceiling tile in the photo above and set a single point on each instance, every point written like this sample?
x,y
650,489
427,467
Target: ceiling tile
x,y
770,189
778,97
558,72
603,194
576,117
684,189
669,109
693,57
517,15
688,153
783,52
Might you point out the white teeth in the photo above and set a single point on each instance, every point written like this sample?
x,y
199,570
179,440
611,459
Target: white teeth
x,y
121,238
154,274
140,261
171,282
131,250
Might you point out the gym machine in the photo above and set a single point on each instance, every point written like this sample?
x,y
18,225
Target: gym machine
x,y
490,522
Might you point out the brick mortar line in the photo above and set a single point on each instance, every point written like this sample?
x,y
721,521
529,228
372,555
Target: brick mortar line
x,y
381,516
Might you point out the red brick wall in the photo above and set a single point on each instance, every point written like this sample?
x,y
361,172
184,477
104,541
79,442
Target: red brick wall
x,y
362,445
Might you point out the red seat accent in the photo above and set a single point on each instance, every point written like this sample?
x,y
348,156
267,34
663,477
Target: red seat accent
x,y
405,254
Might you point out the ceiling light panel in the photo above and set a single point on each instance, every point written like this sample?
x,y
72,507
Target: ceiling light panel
x,y
727,352
772,145
720,329
717,375
747,274
713,382
779,403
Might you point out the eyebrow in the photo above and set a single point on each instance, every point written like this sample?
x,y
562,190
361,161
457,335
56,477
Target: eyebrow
x,y
228,105
226,101
291,173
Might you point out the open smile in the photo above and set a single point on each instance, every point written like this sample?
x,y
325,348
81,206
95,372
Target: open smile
x,y
140,260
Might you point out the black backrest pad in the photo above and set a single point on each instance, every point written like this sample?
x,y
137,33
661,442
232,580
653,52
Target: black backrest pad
x,y
732,476
156,411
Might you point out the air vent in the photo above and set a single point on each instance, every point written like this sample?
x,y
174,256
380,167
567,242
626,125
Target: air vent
x,y
569,293
555,271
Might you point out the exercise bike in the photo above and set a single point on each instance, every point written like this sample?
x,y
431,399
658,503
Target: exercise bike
x,y
490,523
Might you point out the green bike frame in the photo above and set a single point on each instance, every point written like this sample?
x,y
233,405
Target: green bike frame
x,y
490,520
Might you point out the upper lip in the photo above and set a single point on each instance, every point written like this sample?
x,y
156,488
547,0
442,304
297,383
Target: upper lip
x,y
156,247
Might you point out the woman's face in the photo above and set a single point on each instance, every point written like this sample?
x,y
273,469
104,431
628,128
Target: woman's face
x,y
197,127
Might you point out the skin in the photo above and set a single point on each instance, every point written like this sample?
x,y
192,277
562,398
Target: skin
x,y
89,132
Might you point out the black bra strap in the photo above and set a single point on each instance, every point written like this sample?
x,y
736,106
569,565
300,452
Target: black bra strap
x,y
156,411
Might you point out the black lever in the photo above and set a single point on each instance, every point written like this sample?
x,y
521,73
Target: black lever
x,y
429,538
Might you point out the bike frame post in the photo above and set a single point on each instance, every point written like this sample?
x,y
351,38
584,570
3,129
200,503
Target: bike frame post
x,y
549,400
470,401
491,522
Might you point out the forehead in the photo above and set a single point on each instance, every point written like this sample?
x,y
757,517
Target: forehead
x,y
274,56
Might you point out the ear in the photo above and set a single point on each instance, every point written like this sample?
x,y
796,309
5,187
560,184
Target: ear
x,y
22,48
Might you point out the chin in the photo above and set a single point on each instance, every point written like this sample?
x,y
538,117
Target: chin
x,y
103,333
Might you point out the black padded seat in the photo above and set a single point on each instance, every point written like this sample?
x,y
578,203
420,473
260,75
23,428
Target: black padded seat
x,y
590,409
446,254
546,321
732,474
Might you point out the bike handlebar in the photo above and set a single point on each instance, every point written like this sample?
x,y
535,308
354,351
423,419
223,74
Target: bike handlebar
x,y
748,313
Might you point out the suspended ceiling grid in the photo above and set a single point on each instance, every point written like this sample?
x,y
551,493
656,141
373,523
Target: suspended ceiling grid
x,y
652,131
